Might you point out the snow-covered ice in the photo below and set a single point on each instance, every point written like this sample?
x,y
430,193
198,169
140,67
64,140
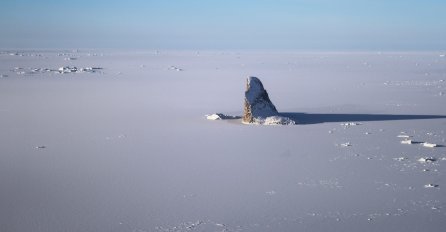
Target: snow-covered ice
x,y
129,149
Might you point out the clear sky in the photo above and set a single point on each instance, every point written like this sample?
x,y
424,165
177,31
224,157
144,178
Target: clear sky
x,y
225,24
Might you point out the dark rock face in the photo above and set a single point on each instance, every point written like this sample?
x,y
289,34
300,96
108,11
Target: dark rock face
x,y
257,103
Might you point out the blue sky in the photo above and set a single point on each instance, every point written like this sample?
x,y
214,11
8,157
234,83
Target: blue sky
x,y
228,24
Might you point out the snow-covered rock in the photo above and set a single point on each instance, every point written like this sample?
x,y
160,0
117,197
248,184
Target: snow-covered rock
x,y
258,108
257,103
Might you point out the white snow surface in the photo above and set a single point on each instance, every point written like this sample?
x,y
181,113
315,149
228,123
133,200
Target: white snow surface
x,y
127,148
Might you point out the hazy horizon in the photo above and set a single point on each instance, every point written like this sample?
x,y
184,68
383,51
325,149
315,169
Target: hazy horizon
x,y
229,25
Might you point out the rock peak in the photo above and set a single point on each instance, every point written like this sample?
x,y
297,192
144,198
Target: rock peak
x,y
257,102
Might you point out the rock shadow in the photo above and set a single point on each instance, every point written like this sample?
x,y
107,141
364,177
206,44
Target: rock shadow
x,y
310,118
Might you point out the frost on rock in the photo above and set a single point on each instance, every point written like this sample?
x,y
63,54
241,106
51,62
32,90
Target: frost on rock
x,y
258,108
273,120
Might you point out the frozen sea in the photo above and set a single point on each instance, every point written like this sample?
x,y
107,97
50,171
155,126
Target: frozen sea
x,y
118,141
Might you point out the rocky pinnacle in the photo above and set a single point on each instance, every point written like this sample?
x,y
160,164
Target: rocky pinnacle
x,y
257,102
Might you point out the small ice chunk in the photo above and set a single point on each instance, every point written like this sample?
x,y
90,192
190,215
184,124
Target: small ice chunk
x,y
219,116
347,144
3,75
91,69
426,144
67,69
442,55
175,68
407,141
40,147
400,158
431,185
427,160
347,124
403,136
214,116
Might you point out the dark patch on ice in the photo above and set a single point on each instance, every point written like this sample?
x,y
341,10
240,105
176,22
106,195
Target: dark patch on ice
x,y
310,118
